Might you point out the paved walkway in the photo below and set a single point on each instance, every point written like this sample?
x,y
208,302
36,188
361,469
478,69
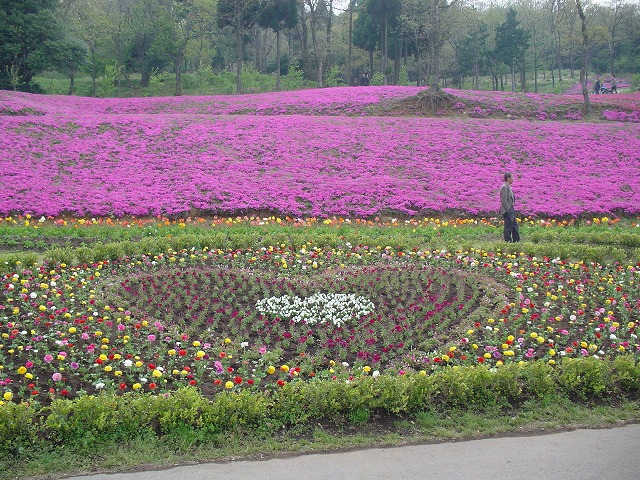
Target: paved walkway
x,y
606,454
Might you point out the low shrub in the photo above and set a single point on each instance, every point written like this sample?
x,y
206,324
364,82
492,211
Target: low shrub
x,y
89,421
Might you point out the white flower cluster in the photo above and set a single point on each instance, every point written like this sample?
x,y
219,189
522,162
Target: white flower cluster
x,y
336,308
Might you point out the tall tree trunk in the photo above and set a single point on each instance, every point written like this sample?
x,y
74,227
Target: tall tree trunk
x,y
278,60
328,40
513,77
239,53
535,72
178,68
94,71
585,59
304,40
72,80
559,57
371,63
385,56
349,66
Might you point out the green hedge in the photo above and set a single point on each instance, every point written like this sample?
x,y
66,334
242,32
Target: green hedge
x,y
87,422
556,245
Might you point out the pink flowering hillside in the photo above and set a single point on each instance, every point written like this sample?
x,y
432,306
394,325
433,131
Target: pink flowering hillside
x,y
313,153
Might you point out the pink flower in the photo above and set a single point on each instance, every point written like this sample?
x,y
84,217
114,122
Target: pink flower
x,y
48,358
56,377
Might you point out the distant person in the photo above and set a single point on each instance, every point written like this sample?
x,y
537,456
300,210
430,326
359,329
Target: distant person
x,y
511,230
366,79
597,85
614,84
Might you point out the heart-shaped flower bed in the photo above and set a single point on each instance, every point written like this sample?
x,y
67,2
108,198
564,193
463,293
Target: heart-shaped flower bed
x,y
382,316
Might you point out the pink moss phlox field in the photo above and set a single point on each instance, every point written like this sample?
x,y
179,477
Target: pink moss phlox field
x,y
330,101
136,157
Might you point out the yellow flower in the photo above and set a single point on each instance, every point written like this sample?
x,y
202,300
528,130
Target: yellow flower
x,y
8,396
156,373
22,370
366,368
136,386
196,343
271,370
229,384
422,372
108,368
284,368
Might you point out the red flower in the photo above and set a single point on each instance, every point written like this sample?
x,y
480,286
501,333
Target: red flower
x,y
182,353
152,385
192,383
238,380
151,366
250,381
280,383
217,381
223,354
123,386
64,392
481,359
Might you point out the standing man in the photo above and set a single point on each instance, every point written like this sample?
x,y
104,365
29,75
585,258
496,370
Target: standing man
x,y
507,200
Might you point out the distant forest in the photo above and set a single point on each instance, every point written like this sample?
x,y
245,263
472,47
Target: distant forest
x,y
481,44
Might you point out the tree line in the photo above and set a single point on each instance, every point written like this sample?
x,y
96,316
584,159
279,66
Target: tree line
x,y
328,42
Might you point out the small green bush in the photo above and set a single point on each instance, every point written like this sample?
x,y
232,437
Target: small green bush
x,y
60,255
626,374
584,378
15,261
539,380
18,429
